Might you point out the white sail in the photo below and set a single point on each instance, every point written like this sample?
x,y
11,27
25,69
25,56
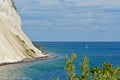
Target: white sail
x,y
86,46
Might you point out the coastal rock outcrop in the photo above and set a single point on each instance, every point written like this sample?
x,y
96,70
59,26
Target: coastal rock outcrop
x,y
15,46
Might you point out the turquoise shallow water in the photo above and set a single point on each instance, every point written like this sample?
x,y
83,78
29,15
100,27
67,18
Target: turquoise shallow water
x,y
97,52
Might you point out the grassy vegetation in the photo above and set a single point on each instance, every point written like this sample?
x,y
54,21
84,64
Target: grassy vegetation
x,y
38,46
106,72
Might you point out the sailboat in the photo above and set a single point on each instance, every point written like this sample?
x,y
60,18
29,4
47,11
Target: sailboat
x,y
86,46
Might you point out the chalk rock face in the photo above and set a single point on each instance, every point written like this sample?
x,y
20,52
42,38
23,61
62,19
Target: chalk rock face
x,y
14,44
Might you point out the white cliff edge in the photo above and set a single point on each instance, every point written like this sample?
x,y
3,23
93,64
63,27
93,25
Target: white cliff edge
x,y
15,46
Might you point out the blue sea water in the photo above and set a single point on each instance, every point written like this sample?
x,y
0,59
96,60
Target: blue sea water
x,y
97,52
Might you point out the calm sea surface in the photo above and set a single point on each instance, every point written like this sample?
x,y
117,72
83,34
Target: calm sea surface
x,y
97,52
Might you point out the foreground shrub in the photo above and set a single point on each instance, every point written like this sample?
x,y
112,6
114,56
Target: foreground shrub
x,y
106,72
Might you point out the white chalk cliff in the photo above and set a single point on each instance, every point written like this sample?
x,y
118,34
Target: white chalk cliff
x,y
15,46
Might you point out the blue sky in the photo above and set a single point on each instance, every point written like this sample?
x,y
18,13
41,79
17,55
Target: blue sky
x,y
70,20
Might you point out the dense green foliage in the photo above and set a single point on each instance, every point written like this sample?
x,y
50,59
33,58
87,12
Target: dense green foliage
x,y
106,72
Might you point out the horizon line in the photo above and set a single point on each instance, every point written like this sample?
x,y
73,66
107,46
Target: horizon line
x,y
75,41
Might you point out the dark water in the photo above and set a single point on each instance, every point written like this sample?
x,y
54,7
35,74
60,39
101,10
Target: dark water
x,y
97,52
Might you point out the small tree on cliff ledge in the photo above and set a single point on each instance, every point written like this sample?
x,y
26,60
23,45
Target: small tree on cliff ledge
x,y
14,5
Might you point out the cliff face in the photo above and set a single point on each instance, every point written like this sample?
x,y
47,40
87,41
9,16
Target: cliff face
x,y
14,44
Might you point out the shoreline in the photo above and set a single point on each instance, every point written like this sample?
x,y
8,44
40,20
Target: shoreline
x,y
30,60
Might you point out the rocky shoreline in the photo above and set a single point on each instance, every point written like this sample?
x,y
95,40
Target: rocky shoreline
x,y
30,60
